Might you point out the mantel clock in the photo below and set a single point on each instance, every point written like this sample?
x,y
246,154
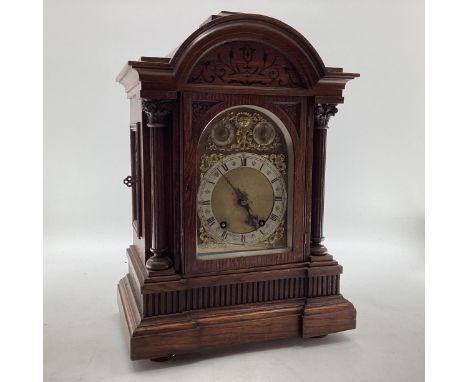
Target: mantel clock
x,y
228,145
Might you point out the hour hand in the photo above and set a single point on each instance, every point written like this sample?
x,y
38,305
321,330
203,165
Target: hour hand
x,y
252,219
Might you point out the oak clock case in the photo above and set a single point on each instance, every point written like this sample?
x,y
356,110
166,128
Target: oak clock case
x,y
228,147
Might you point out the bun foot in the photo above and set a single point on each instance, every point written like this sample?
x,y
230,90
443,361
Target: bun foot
x,y
163,359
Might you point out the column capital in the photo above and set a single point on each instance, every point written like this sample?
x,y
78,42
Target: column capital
x,y
157,111
322,114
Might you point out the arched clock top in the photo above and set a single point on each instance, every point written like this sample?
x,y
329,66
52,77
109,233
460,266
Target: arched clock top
x,y
239,51
250,42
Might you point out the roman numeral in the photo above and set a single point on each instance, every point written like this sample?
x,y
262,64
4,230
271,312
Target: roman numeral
x,y
274,180
205,202
278,198
243,239
225,167
211,221
209,181
243,161
274,217
224,235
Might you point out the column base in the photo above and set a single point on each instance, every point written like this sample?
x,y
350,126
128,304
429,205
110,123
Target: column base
x,y
318,250
157,263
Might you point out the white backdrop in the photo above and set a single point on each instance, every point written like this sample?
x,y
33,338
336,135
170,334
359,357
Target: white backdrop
x,y
374,210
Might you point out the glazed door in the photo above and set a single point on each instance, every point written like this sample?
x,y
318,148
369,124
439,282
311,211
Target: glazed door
x,y
245,181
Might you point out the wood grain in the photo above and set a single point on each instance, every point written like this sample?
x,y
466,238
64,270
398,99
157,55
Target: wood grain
x,y
191,137
211,328
190,304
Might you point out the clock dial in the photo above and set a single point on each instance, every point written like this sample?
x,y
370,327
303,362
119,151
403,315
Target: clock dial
x,y
244,193
242,199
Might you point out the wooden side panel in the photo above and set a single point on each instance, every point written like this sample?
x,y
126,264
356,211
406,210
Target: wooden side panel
x,y
140,200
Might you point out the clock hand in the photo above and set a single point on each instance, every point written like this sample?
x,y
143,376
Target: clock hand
x,y
243,202
240,195
252,219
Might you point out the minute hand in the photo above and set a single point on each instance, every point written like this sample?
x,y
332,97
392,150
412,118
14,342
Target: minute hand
x,y
243,202
240,195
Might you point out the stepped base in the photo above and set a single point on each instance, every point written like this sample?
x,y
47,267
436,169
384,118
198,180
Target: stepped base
x,y
195,331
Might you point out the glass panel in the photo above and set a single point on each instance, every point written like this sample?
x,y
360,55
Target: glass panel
x,y
244,197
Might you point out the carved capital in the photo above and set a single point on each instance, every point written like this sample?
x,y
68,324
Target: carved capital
x,y
322,114
157,111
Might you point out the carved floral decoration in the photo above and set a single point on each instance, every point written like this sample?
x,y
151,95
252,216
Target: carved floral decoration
x,y
246,64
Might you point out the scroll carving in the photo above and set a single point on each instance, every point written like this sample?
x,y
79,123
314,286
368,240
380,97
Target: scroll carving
x,y
199,109
293,112
245,64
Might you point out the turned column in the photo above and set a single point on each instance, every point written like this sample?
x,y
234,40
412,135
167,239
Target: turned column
x,y
322,114
159,115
